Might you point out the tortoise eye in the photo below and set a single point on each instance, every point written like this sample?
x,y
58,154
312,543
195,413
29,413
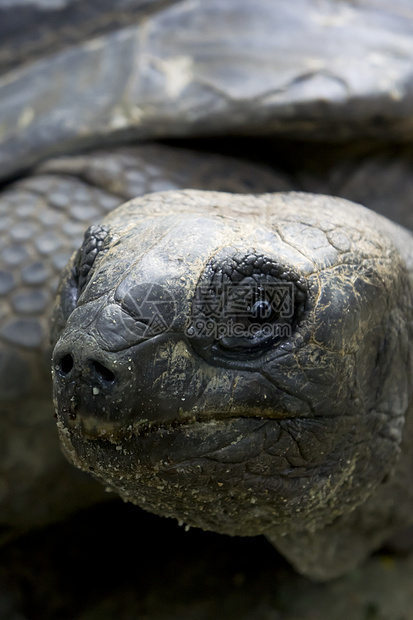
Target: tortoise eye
x,y
255,316
93,244
261,310
245,305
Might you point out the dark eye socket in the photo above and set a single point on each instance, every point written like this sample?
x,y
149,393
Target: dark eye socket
x,y
93,244
252,330
245,304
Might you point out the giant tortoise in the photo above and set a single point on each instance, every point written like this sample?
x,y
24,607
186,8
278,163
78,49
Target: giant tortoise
x,y
243,364
336,74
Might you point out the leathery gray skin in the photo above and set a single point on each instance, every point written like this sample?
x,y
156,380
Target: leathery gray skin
x,y
301,432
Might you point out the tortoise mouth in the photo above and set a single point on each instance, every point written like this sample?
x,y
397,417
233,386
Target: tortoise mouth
x,y
90,427
93,428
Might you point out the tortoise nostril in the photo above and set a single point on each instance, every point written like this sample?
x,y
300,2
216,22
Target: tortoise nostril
x,y
66,365
103,372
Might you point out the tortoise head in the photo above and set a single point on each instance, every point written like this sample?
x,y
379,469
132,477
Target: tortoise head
x,y
239,363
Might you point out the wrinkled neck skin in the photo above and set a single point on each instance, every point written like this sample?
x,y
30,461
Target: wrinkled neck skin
x,y
347,541
297,427
339,547
327,553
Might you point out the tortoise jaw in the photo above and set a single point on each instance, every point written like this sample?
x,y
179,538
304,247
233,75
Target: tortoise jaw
x,y
92,428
